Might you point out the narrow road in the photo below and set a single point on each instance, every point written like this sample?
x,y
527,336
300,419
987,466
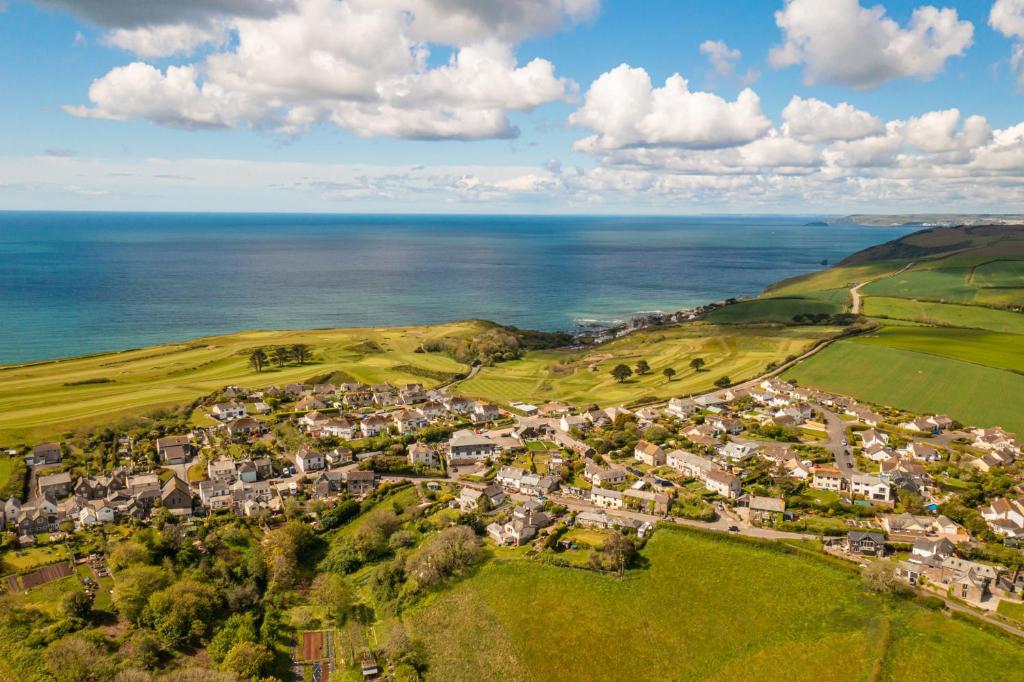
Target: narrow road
x,y
855,294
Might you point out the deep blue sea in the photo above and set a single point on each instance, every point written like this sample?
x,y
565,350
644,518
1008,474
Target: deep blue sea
x,y
77,283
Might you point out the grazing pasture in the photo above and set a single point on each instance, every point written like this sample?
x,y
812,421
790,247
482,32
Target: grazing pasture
x,y
945,314
522,620
779,309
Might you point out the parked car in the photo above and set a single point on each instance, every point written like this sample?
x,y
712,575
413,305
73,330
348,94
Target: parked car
x,y
734,529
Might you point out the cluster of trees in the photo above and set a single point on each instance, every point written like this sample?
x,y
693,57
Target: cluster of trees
x,y
498,344
280,356
622,371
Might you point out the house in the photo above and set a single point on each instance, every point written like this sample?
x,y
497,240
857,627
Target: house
x,y
709,402
339,427
525,482
485,412
926,548
309,403
568,422
602,476
307,459
645,500
174,449
373,425
921,424
228,411
1005,517
215,494
264,468
360,482
407,421
777,453
421,453
871,487
910,526
222,469
431,410
923,452
412,393
995,438
459,405
797,469
871,437
729,425
649,453
593,519
877,452
828,478
737,452
312,421
260,407
766,509
47,453
359,399
96,513
328,484
176,497
865,543
56,485
609,499
246,426
722,482
471,499
465,446
568,442
684,408
690,464
247,471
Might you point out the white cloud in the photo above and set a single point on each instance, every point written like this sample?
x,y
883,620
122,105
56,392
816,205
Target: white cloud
x,y
1007,17
625,110
811,120
359,64
723,58
839,41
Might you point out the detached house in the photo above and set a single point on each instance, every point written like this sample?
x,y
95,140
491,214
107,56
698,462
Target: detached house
x,y
421,453
228,411
465,447
684,408
828,478
174,449
722,482
176,497
307,459
360,482
407,422
923,452
649,453
373,425
871,487
47,453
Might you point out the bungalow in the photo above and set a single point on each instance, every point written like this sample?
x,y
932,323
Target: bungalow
x,y
309,403
608,499
926,548
828,478
877,452
871,487
568,422
554,409
649,453
359,399
766,509
921,424
684,408
777,453
360,482
871,437
421,453
465,446
570,443
260,407
174,449
797,469
602,476
865,543
722,482
923,452
1005,517
228,411
485,412
373,425
471,499
246,426
593,519
737,452
431,410
709,402
407,421
176,497
307,459
47,453
324,390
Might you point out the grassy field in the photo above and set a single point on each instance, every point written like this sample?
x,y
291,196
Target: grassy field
x,y
703,609
6,467
47,398
945,314
922,382
736,351
991,349
781,309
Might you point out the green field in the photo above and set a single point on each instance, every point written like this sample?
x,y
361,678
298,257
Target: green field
x,y
703,609
945,314
735,351
991,349
44,399
6,467
971,393
782,309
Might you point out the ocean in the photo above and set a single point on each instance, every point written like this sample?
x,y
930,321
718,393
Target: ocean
x,y
79,283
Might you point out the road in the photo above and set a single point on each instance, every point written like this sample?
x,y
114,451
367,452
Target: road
x,y
836,437
855,294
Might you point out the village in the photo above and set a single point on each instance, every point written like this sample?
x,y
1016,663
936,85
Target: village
x,y
767,459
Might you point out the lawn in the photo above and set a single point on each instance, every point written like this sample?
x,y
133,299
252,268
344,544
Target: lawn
x,y
704,608
18,560
6,467
44,399
971,393
945,314
585,377
1012,610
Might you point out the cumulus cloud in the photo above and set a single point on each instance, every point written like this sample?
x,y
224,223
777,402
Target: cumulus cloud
x,y
842,42
359,64
811,120
723,60
624,110
1007,17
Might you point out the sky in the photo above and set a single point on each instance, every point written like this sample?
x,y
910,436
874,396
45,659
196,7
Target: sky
x,y
524,106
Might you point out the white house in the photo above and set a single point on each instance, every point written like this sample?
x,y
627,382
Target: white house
x,y
466,446
871,487
649,453
722,482
608,499
228,411
828,478
681,407
307,459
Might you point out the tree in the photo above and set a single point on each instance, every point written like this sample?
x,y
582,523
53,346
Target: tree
x,y
248,660
331,592
77,604
697,364
76,659
301,353
642,367
669,373
620,551
621,373
258,359
880,576
723,382
282,355
133,587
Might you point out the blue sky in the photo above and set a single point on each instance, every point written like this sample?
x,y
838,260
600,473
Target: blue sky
x,y
532,116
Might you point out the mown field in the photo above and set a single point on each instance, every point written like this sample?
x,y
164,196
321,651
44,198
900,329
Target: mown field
x,y
944,314
923,382
783,308
702,609
739,352
47,398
